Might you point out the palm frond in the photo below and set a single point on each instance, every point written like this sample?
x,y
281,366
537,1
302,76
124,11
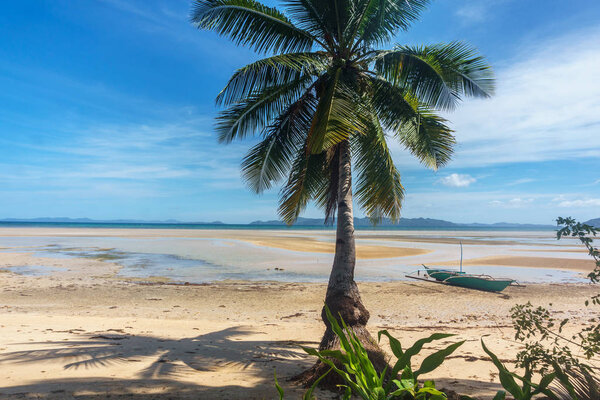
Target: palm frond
x,y
582,381
305,180
439,75
327,195
378,188
428,138
271,71
255,112
379,20
250,23
271,159
418,128
314,16
336,115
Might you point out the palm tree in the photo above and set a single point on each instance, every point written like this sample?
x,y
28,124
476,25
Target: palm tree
x,y
327,101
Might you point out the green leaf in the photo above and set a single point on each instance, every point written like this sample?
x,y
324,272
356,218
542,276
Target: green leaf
x,y
394,343
500,395
309,393
378,188
506,378
440,74
279,389
248,22
436,359
337,116
418,345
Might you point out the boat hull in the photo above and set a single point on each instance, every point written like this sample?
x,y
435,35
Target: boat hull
x,y
442,274
470,282
456,278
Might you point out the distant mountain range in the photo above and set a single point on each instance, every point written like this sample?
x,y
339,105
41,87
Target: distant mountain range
x,y
107,221
594,222
358,222
409,223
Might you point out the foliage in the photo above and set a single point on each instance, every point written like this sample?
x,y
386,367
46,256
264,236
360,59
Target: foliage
x,y
352,363
308,395
542,334
580,382
548,351
527,389
326,82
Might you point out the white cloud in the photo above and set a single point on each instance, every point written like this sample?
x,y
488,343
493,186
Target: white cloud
x,y
579,203
545,108
516,202
521,181
457,180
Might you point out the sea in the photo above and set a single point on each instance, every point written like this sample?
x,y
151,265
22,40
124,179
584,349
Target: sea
x,y
188,259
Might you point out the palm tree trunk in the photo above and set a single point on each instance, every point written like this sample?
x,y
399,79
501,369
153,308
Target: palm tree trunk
x,y
343,297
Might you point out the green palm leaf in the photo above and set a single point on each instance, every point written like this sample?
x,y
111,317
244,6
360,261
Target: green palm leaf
x,y
304,182
439,75
248,22
314,16
256,111
381,19
271,159
271,71
337,115
378,188
420,131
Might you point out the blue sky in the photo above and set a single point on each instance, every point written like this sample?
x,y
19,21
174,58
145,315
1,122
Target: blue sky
x,y
107,107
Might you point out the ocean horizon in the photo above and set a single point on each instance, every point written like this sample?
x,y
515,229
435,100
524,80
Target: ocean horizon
x,y
224,226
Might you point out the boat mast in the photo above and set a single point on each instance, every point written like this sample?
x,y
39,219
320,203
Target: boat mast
x,y
461,256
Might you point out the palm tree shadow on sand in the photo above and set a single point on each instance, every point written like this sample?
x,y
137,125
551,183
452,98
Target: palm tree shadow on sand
x,y
174,365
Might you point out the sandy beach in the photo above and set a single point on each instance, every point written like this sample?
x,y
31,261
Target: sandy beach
x,y
74,325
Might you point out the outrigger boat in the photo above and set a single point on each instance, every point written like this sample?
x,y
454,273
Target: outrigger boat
x,y
462,279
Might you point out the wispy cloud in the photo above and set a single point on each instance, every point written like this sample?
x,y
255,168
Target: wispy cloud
x,y
516,202
544,109
580,203
457,180
520,181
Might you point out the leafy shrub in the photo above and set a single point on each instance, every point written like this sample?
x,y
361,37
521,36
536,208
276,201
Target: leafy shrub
x,y
527,389
352,363
581,383
547,351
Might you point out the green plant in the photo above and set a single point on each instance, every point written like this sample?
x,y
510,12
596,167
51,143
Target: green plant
x,y
546,347
352,363
308,395
527,389
580,382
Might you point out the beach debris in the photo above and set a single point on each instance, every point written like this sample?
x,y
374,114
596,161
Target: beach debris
x,y
293,315
109,337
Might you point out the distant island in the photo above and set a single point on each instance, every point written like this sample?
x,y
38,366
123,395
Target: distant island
x,y
66,220
410,223
313,222
594,222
